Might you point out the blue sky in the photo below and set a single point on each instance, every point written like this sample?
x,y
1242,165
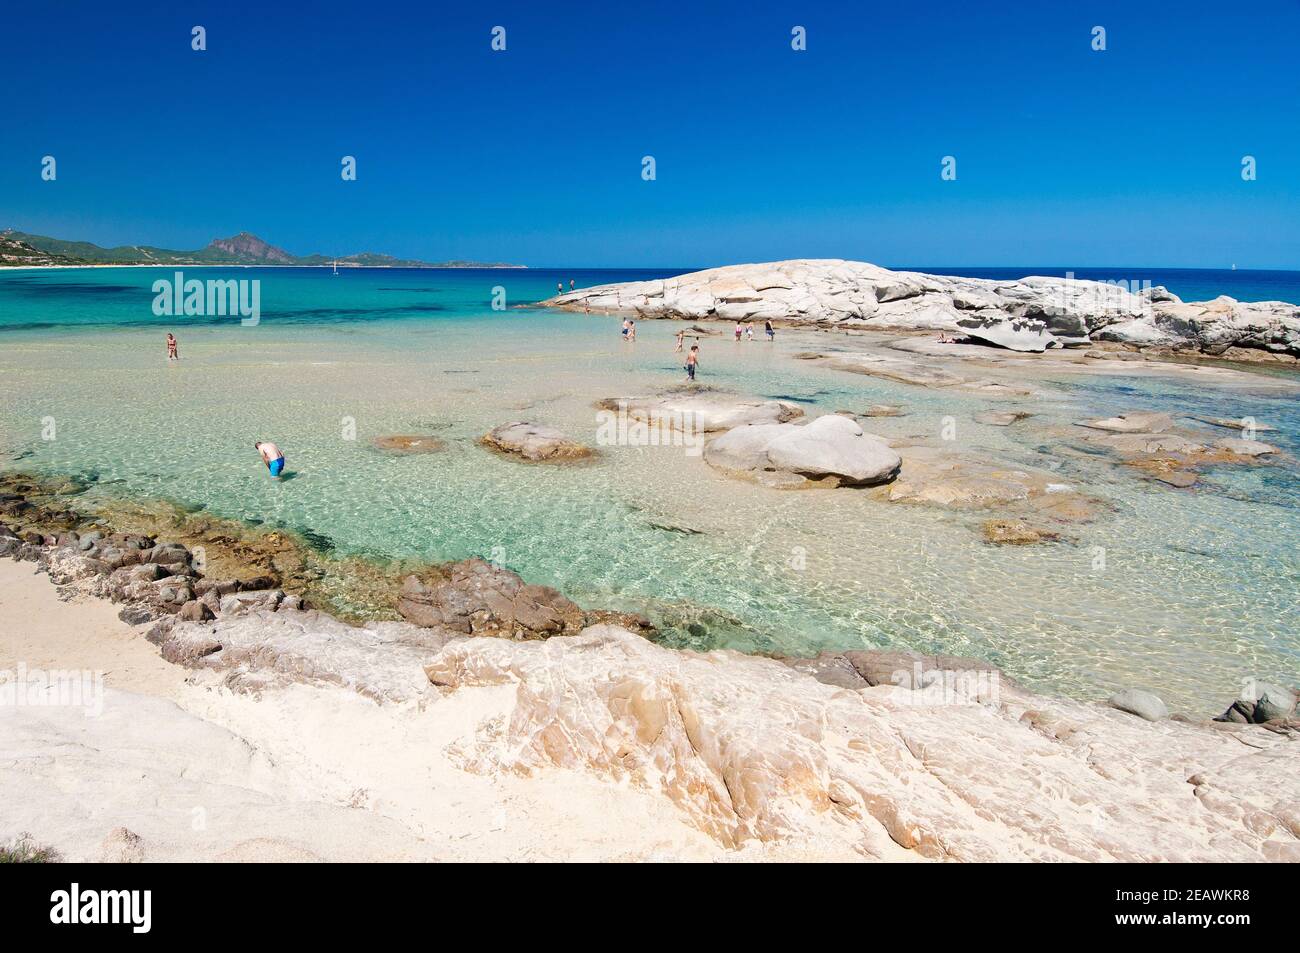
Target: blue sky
x,y
1065,156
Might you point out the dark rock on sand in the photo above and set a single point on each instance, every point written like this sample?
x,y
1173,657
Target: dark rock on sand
x,y
136,615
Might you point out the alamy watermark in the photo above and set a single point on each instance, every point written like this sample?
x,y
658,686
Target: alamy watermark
x,y
944,686
1108,296
52,688
178,297
665,428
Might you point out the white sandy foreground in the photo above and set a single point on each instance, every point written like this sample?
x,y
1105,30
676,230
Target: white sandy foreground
x,y
201,773
600,746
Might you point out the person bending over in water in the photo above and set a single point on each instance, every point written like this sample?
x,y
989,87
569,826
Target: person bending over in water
x,y
171,348
271,456
692,361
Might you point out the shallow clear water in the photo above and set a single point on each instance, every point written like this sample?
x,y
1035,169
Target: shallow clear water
x,y
1197,593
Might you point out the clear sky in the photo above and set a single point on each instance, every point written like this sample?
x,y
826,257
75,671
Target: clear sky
x,y
1064,155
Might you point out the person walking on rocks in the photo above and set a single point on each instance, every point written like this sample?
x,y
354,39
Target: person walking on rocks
x,y
692,361
171,348
271,456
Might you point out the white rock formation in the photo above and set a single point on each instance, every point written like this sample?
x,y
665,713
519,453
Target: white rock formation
x,y
832,446
1030,314
750,748
705,413
534,442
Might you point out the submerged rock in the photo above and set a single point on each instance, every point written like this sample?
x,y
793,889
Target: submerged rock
x,y
404,444
1238,423
1015,532
535,442
1147,423
1001,418
938,477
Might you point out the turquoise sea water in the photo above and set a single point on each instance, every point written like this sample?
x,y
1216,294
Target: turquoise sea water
x,y
1197,593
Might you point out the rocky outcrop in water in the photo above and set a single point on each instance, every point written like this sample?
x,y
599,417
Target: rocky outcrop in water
x,y
534,442
830,451
702,412
1031,314
1151,444
474,597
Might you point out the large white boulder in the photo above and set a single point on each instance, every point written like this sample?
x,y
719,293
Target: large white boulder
x,y
833,447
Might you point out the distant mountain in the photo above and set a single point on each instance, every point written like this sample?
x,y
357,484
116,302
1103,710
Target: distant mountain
x,y
21,248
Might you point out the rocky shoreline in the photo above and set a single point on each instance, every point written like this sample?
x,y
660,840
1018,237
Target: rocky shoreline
x,y
944,757
1032,314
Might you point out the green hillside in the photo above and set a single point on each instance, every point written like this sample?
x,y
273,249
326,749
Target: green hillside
x,y
23,248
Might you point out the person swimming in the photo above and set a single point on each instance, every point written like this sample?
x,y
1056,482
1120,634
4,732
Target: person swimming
x,y
271,456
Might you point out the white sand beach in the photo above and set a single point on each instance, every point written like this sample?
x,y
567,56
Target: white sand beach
x,y
199,773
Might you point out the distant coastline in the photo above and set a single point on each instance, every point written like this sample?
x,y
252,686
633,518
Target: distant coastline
x,y
25,250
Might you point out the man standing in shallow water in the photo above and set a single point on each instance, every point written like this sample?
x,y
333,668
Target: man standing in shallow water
x,y
271,456
692,361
